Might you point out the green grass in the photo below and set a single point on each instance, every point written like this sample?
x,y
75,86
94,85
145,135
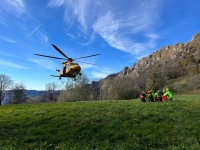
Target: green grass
x,y
104,125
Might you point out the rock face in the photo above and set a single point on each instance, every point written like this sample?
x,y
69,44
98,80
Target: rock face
x,y
170,64
168,55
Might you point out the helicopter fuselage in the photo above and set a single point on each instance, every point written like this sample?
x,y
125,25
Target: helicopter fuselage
x,y
71,68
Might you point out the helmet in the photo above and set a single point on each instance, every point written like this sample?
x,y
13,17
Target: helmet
x,y
167,89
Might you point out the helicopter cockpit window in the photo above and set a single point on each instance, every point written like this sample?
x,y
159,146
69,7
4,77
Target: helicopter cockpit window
x,y
71,64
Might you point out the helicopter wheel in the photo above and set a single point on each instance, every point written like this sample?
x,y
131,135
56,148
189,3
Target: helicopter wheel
x,y
80,74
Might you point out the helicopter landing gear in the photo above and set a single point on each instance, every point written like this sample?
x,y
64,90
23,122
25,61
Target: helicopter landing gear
x,y
80,74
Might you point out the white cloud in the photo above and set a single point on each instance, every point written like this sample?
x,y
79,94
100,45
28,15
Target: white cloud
x,y
56,3
15,7
108,28
102,73
86,66
42,35
119,25
12,65
75,10
117,31
33,31
152,40
45,63
71,35
99,74
92,37
7,39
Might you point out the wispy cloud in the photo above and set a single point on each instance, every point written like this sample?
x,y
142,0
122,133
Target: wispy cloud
x,y
152,39
86,66
7,54
7,39
33,31
45,63
108,28
92,37
119,26
120,34
101,73
42,36
16,7
12,65
56,3
76,11
71,36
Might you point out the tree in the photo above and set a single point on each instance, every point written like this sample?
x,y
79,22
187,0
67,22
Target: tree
x,y
105,86
157,78
193,82
141,80
78,90
95,90
125,88
119,88
52,91
130,93
18,94
5,83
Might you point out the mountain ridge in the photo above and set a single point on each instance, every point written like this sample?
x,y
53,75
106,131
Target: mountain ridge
x,y
164,55
176,66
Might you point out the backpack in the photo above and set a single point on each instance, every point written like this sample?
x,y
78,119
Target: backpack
x,y
160,94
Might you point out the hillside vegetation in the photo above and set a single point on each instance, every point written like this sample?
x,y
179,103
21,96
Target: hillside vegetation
x,y
176,66
102,125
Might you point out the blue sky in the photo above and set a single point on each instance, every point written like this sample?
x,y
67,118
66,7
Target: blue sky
x,y
122,31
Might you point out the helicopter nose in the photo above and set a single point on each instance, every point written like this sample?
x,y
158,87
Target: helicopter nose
x,y
75,68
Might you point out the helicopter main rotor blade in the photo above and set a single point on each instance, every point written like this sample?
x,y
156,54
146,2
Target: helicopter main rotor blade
x,y
87,56
85,62
50,56
59,51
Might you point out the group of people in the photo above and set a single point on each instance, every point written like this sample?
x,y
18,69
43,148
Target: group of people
x,y
158,96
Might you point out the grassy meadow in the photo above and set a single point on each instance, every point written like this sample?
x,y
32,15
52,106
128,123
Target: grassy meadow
x,y
102,125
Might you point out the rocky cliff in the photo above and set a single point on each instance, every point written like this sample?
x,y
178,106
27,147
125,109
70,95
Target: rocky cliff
x,y
175,66
168,55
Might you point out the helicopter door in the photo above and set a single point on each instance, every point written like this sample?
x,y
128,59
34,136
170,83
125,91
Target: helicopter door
x,y
65,67
68,65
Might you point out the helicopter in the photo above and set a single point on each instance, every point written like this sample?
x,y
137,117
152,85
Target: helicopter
x,y
70,69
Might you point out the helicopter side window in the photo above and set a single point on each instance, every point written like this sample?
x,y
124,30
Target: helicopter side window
x,y
67,66
71,64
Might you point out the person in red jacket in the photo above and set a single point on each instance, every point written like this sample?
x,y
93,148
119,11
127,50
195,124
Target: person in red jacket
x,y
143,96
